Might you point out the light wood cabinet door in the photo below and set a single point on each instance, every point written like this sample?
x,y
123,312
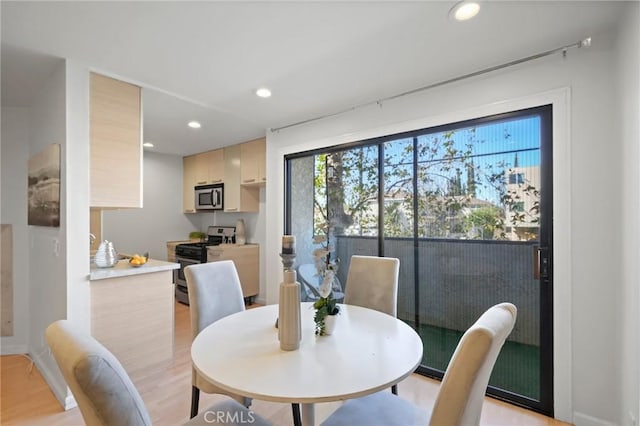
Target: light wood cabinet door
x,y
133,317
188,182
115,143
237,198
201,169
171,249
215,166
209,167
253,162
247,261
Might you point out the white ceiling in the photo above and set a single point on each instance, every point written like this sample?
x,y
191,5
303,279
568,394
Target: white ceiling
x,y
203,60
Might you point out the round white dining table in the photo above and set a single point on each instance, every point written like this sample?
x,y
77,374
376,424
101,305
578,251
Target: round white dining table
x,y
369,351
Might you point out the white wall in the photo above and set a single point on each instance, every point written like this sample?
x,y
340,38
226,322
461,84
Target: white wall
x,y
628,90
75,196
15,154
587,195
46,252
160,219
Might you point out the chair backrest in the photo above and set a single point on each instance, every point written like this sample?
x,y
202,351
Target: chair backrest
x,y
463,387
214,292
372,282
100,385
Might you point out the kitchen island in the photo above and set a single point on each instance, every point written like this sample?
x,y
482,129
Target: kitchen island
x,y
132,312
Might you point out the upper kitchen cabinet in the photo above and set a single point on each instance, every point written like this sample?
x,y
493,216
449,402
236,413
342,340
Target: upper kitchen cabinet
x,y
116,143
189,180
253,163
237,197
200,169
209,167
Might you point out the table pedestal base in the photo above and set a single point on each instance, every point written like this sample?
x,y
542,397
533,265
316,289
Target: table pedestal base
x,y
308,414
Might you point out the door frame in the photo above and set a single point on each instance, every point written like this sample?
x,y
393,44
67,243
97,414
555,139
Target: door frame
x,y
560,99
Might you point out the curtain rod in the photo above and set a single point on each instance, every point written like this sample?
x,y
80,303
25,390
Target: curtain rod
x,y
582,43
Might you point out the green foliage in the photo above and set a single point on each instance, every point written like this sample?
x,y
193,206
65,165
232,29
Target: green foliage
x,y
324,306
487,219
448,182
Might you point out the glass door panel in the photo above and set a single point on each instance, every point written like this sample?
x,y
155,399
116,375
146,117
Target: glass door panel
x,y
465,207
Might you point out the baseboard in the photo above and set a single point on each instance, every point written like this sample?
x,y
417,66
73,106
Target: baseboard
x,y
260,301
59,388
581,419
13,349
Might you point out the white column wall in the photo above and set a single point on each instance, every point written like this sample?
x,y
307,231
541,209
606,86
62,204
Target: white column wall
x,y
628,91
46,250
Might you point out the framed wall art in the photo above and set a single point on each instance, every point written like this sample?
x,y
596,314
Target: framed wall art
x,y
44,187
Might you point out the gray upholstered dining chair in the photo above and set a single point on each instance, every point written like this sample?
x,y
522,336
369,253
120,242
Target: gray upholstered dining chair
x,y
103,390
214,292
372,282
461,394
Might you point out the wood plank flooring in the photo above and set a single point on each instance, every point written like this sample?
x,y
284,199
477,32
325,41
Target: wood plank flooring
x,y
26,400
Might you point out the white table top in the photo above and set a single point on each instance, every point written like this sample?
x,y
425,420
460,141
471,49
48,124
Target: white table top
x,y
368,352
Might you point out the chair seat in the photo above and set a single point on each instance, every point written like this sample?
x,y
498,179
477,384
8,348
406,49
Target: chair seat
x,y
229,413
378,409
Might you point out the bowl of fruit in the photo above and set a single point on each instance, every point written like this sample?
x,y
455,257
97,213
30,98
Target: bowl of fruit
x,y
137,260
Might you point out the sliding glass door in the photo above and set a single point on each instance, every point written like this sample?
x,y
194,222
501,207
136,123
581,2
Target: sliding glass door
x,y
466,208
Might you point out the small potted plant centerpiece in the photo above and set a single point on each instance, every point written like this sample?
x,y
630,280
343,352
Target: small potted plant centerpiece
x,y
326,266
197,236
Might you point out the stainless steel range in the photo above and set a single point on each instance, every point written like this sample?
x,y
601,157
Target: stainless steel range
x,y
193,253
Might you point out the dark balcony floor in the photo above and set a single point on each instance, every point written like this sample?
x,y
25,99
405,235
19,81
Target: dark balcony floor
x,y
517,369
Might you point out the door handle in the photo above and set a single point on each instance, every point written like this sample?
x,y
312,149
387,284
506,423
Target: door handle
x,y
540,262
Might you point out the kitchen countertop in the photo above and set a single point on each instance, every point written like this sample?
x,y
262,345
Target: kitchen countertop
x,y
124,269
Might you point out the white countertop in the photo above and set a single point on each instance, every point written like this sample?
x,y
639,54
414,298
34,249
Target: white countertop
x,y
124,269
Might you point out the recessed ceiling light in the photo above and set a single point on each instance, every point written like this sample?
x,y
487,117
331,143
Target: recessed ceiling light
x,y
464,10
263,92
194,124
147,145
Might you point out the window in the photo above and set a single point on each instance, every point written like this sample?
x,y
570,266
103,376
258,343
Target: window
x,y
516,178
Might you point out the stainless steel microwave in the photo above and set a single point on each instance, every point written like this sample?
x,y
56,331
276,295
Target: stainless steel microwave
x,y
209,197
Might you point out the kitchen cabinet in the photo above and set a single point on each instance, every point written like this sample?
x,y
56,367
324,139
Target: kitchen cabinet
x,y
200,169
188,182
237,197
132,315
115,143
209,167
171,250
247,260
95,228
253,163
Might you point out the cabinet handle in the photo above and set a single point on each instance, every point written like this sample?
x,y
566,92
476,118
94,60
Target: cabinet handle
x,y
216,181
264,178
248,180
235,209
202,183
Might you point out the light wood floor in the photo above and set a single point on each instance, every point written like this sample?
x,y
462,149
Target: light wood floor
x,y
25,398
